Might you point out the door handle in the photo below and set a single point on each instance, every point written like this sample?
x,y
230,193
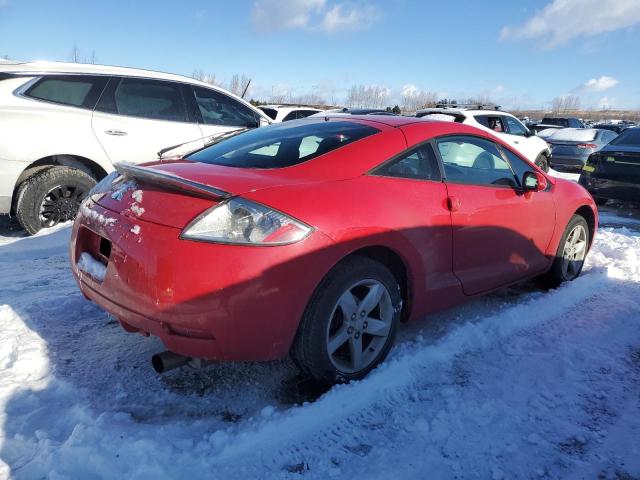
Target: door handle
x,y
516,142
116,133
453,203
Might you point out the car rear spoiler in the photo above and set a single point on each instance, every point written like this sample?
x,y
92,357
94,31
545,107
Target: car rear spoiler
x,y
171,181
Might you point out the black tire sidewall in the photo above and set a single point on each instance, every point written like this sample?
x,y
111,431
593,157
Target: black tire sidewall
x,y
32,191
543,162
310,349
556,277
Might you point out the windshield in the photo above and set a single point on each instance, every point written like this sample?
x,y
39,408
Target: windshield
x,y
628,137
282,145
562,122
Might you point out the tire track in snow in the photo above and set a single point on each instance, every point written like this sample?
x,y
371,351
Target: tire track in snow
x,y
392,385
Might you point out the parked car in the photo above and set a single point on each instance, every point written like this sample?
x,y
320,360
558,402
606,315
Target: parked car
x,y
570,147
558,122
64,125
504,125
318,236
618,128
284,113
613,173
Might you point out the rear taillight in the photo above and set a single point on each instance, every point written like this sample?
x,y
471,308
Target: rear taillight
x,y
587,145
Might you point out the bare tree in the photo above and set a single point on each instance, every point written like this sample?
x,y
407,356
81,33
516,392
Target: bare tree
x,y
367,96
413,100
75,56
202,76
239,84
565,103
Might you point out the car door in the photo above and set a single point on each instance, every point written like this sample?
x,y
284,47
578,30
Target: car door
x,y
517,136
137,117
417,194
218,113
500,233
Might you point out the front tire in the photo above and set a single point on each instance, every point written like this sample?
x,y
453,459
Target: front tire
x,y
51,196
571,253
350,323
542,162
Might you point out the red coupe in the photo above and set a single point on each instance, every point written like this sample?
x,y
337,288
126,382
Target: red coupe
x,y
317,237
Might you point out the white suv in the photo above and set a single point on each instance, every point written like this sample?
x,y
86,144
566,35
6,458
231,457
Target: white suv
x,y
503,125
64,125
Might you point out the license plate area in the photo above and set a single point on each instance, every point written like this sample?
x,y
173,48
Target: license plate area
x,y
94,244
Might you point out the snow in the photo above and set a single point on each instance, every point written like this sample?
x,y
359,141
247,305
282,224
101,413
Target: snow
x,y
91,266
123,188
519,384
573,135
567,176
98,217
547,132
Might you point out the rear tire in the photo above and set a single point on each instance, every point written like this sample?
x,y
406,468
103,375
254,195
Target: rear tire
x,y
336,342
571,253
51,196
543,162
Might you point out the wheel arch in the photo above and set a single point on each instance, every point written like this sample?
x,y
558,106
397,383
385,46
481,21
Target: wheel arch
x,y
587,213
84,164
396,264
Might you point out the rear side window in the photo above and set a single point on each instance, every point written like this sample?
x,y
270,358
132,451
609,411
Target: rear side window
x,y
139,97
219,109
492,122
272,113
418,163
75,90
474,161
291,116
283,144
628,137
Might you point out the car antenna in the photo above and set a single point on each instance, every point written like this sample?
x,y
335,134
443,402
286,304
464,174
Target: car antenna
x,y
245,89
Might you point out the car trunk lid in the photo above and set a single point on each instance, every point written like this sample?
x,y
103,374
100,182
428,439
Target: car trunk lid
x,y
173,193
622,166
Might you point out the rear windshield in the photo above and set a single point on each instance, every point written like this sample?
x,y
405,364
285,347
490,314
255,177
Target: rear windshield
x,y
271,112
561,122
628,137
283,144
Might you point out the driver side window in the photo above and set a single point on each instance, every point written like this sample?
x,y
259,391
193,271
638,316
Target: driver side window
x,y
515,127
474,161
219,109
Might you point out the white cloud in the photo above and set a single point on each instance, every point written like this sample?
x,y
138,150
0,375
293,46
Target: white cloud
x,y
563,20
312,15
599,84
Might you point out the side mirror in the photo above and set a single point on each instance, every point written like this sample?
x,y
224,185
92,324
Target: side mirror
x,y
528,133
534,182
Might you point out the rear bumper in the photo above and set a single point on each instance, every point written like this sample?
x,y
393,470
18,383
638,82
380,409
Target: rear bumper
x,y
203,300
570,163
611,189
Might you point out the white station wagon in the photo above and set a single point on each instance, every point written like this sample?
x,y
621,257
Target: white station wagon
x,y
64,126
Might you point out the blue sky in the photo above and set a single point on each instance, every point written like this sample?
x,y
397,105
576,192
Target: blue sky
x,y
520,53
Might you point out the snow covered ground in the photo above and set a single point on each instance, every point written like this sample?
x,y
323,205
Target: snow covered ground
x,y
519,384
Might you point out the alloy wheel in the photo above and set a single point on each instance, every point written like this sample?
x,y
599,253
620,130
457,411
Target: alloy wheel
x,y
360,325
574,252
61,204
